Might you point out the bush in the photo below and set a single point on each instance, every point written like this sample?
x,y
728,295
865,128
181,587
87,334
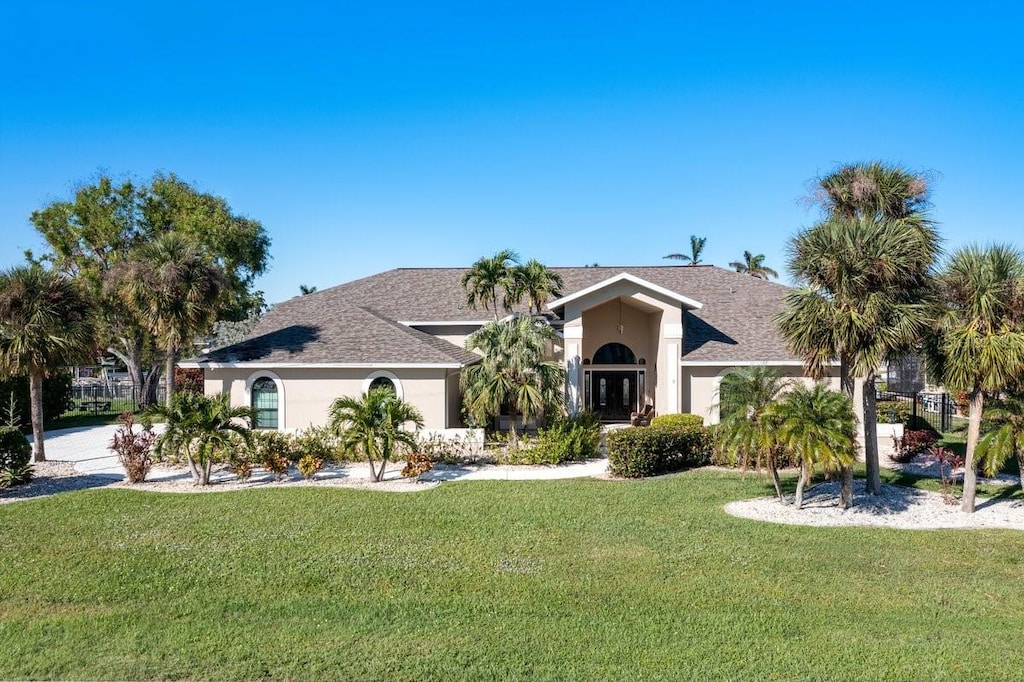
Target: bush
x,y
277,465
892,412
134,449
913,443
15,450
444,450
309,465
565,439
417,463
16,475
678,420
266,444
188,380
56,397
639,452
319,442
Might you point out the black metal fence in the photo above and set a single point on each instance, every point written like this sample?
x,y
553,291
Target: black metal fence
x,y
916,409
105,399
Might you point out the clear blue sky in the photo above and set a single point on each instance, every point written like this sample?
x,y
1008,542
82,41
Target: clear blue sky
x,y
367,136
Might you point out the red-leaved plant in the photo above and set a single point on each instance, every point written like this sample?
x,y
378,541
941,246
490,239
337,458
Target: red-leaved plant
x,y
134,448
948,461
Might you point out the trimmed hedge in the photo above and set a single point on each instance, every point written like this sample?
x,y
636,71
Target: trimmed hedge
x,y
657,449
679,420
15,451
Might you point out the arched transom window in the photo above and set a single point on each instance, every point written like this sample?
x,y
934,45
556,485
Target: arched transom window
x,y
614,354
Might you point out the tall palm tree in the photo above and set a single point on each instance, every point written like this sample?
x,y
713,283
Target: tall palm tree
x,y
306,289
374,424
202,428
1006,438
537,282
747,431
176,290
978,346
754,266
696,247
512,372
864,277
489,275
45,325
816,426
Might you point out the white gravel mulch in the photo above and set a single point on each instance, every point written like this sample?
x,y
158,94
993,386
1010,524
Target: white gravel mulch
x,y
223,481
52,478
896,507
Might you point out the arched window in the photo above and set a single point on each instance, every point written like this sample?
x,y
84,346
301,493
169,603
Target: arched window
x,y
383,382
265,403
384,379
614,354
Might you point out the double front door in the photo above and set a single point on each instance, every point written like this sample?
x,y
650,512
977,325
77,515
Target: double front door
x,y
613,394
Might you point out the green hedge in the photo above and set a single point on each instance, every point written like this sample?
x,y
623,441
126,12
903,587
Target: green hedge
x,y
15,451
678,420
657,449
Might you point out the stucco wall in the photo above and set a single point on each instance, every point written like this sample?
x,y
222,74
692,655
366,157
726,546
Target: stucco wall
x,y
308,392
700,387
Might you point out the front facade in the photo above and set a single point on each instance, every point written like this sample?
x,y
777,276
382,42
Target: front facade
x,y
628,336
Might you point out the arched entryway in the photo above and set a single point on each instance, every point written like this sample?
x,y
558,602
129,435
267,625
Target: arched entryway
x,y
614,382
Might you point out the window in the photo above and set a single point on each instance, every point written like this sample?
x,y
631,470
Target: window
x,y
384,379
265,403
383,382
614,354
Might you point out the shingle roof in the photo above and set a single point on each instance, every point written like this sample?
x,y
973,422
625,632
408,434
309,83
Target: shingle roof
x,y
357,322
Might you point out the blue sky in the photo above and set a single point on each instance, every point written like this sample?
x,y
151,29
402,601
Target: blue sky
x,y
367,136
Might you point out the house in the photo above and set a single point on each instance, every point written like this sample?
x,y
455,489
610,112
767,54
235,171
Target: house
x,y
629,336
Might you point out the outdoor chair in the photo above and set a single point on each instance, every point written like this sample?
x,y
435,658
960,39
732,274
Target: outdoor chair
x,y
643,417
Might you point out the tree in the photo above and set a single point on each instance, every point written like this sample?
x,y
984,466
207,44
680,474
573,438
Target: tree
x,y
748,431
1005,439
45,325
171,287
978,344
754,266
512,373
374,425
306,290
815,426
864,281
696,247
483,281
107,223
202,428
537,283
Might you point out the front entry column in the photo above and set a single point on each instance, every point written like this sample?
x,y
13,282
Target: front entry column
x,y
573,335
669,367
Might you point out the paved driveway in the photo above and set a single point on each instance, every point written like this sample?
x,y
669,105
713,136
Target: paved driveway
x,y
87,448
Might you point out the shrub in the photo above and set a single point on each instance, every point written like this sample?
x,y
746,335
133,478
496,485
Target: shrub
x,y
16,475
319,442
892,412
309,465
188,380
444,450
277,465
56,397
639,452
266,444
417,463
241,467
134,449
15,450
913,443
678,420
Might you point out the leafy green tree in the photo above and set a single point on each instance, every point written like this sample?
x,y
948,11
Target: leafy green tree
x,y
171,287
374,425
696,247
513,372
978,345
864,279
815,426
202,429
487,277
747,431
45,325
107,223
1005,438
754,266
537,283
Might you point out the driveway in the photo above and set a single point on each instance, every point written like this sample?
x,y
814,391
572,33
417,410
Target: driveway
x,y
87,448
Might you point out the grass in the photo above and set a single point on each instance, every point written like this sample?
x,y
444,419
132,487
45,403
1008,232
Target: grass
x,y
566,580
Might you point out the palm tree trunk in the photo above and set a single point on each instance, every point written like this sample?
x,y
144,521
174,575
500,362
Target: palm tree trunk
x,y
774,472
805,474
973,432
874,482
1020,466
514,440
846,473
150,384
169,376
35,390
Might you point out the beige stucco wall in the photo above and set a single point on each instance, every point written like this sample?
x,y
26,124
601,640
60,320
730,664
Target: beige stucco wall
x,y
700,386
308,392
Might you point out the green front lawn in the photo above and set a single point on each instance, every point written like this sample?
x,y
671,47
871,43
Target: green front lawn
x,y
579,579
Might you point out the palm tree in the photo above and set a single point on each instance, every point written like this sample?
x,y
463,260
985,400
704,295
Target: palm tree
x,y
1006,438
696,246
816,426
753,266
487,276
512,372
538,283
373,424
202,428
175,289
864,277
978,346
306,289
747,431
45,325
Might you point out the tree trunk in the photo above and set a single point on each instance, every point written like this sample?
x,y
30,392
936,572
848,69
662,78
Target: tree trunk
x,y
973,432
35,390
1020,466
846,473
774,472
798,500
197,478
874,482
169,376
150,385
514,440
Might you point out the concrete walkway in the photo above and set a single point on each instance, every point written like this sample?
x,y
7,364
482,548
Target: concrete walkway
x,y
87,449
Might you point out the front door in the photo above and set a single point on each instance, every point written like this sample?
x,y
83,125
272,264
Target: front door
x,y
613,394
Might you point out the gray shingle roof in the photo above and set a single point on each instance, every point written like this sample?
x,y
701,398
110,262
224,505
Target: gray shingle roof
x,y
357,322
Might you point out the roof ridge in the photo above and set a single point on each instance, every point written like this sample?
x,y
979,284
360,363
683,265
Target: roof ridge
x,y
453,351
